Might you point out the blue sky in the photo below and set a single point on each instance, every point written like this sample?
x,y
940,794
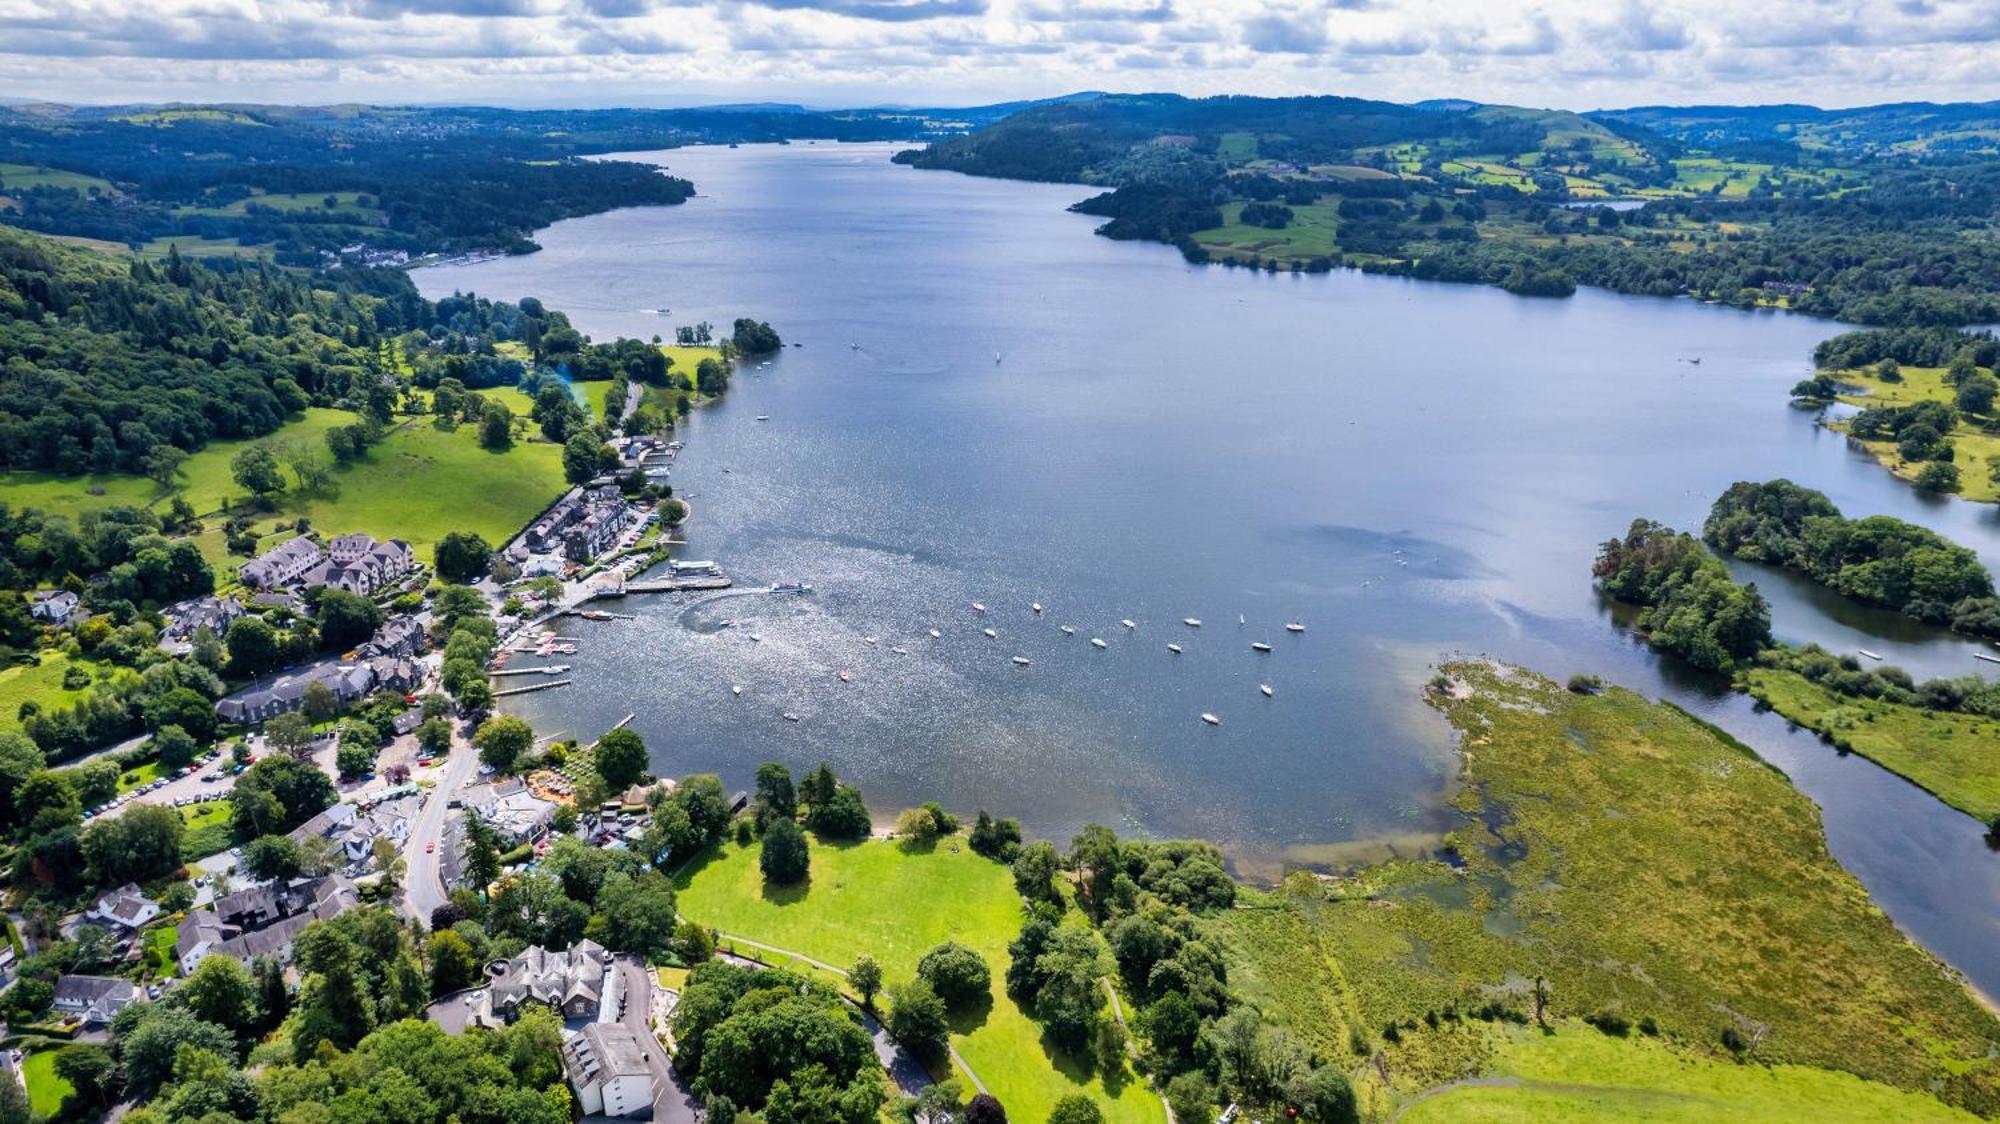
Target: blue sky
x,y
1565,53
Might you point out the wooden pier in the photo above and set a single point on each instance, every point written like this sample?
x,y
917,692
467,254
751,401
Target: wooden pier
x,y
532,687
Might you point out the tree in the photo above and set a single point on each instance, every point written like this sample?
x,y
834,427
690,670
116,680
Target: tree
x,y
163,464
434,736
271,856
255,470
841,816
866,979
496,427
999,840
918,1020
586,456
776,798
290,734
958,974
1035,871
1976,393
345,619
462,556
1172,1026
502,741
353,759
47,802
1069,998
1191,1096
278,794
149,1039
172,747
621,758
638,913
1325,1097
252,645
783,857
453,965
90,1069
985,1108
139,845
917,827
1075,1108
1938,476
482,853
222,991
319,704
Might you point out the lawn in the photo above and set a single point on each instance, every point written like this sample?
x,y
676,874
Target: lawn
x,y
876,899
207,830
1309,235
1953,756
46,1090
1645,866
1579,1074
418,484
202,248
161,960
138,775
41,684
685,359
1973,448
21,177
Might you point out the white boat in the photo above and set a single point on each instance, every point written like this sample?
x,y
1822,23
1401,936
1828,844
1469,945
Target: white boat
x,y
735,690
1295,627
1210,719
1174,648
936,635
1020,661
868,640
1266,688
756,638
990,634
1096,643
790,717
790,587
1869,654
900,651
763,417
1127,622
978,607
1037,606
1240,622
1259,646
1191,622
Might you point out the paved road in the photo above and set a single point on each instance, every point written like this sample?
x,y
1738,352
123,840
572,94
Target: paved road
x,y
672,1102
424,888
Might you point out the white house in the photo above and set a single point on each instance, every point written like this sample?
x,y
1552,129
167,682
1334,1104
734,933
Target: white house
x,y
125,907
607,1068
54,605
94,999
282,564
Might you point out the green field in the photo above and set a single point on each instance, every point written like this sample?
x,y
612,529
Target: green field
x,y
41,684
418,484
1649,870
1953,756
46,1090
1309,235
138,775
201,248
207,830
1236,148
1579,1074
21,177
1972,448
876,899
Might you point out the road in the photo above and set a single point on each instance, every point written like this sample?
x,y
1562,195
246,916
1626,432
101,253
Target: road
x,y
672,1102
424,888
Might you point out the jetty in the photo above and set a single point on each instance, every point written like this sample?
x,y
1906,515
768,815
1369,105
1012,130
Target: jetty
x,y
672,585
1987,658
552,669
533,687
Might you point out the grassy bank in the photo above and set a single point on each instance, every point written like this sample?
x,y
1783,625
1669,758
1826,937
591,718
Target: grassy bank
x,y
877,899
1955,757
1652,872
1972,446
47,1090
1579,1074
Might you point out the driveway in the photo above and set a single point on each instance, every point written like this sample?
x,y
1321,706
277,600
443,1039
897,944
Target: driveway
x,y
673,1103
424,885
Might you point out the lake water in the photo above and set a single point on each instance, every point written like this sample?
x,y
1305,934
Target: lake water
x,y
990,404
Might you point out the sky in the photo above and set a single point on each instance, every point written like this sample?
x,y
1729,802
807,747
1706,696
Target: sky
x,y
1574,54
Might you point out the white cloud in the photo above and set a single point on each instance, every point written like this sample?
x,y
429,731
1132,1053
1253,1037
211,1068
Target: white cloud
x,y
1571,53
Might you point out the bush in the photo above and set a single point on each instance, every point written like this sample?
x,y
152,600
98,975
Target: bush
x,y
1076,1109
918,1021
1938,476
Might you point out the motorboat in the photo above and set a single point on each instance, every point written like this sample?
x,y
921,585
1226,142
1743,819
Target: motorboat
x,y
763,417
1191,622
900,651
1037,606
936,635
790,587
1095,642
844,676
1210,719
1295,627
790,717
1869,654
1127,622
978,606
756,638
990,634
735,690
870,640
1266,688
1068,630
1174,648
1020,661
1259,646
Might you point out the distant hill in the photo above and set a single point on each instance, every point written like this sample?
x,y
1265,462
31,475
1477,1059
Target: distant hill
x,y
1915,129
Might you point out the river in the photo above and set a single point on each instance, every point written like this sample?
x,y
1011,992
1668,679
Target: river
x,y
992,405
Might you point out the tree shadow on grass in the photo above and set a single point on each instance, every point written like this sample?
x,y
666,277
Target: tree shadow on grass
x,y
786,893
968,1017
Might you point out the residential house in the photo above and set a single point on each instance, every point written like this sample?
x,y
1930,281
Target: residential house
x,y
570,982
401,635
94,999
261,921
353,829
608,1069
54,605
282,564
361,564
514,813
546,533
349,682
124,907
187,618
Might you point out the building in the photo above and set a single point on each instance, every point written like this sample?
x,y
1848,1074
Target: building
x,y
282,565
349,683
546,533
598,531
187,618
124,907
607,1068
54,605
401,635
94,999
361,564
570,983
353,829
261,921
514,813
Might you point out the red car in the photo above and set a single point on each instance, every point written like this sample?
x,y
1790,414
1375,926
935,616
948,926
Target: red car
x,y
430,847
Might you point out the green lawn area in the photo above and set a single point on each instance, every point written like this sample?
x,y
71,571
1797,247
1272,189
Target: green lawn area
x,y
42,683
46,1090
137,775
207,830
202,248
418,484
1579,1074
1972,448
158,943
21,177
1236,148
877,899
1309,235
1955,757
1644,865
686,359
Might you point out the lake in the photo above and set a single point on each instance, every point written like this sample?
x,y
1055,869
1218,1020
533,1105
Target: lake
x,y
992,405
